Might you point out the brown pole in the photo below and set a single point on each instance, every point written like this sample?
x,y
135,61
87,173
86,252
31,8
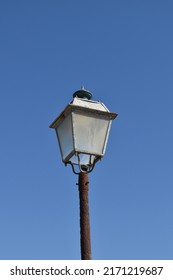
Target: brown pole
x,y
84,217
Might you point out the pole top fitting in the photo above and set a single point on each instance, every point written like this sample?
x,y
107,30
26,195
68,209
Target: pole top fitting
x,y
83,93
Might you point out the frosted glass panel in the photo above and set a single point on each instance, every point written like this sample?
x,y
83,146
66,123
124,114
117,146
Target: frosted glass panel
x,y
90,133
84,159
64,131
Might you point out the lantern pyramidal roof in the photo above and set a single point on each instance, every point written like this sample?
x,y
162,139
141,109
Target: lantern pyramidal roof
x,y
85,105
90,104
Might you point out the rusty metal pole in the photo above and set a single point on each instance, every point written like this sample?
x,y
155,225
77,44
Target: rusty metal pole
x,y
85,240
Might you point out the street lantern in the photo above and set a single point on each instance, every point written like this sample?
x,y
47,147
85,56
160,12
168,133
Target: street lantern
x,y
82,130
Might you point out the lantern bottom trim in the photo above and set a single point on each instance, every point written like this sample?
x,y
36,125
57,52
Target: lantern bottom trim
x,y
84,168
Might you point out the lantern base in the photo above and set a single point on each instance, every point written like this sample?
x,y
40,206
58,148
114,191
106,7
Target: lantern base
x,y
84,168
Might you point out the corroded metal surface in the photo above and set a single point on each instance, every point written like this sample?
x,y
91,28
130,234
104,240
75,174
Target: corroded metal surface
x,y
84,217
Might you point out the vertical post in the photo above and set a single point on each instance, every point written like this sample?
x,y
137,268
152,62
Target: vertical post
x,y
85,240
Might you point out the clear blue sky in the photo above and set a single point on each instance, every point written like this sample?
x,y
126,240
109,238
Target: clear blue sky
x,y
122,51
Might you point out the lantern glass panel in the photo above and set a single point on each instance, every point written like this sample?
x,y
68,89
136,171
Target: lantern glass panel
x,y
83,158
65,136
90,132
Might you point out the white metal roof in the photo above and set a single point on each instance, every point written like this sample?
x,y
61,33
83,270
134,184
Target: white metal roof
x,y
96,105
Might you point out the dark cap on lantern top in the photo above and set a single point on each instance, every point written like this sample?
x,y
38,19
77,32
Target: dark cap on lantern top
x,y
83,93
